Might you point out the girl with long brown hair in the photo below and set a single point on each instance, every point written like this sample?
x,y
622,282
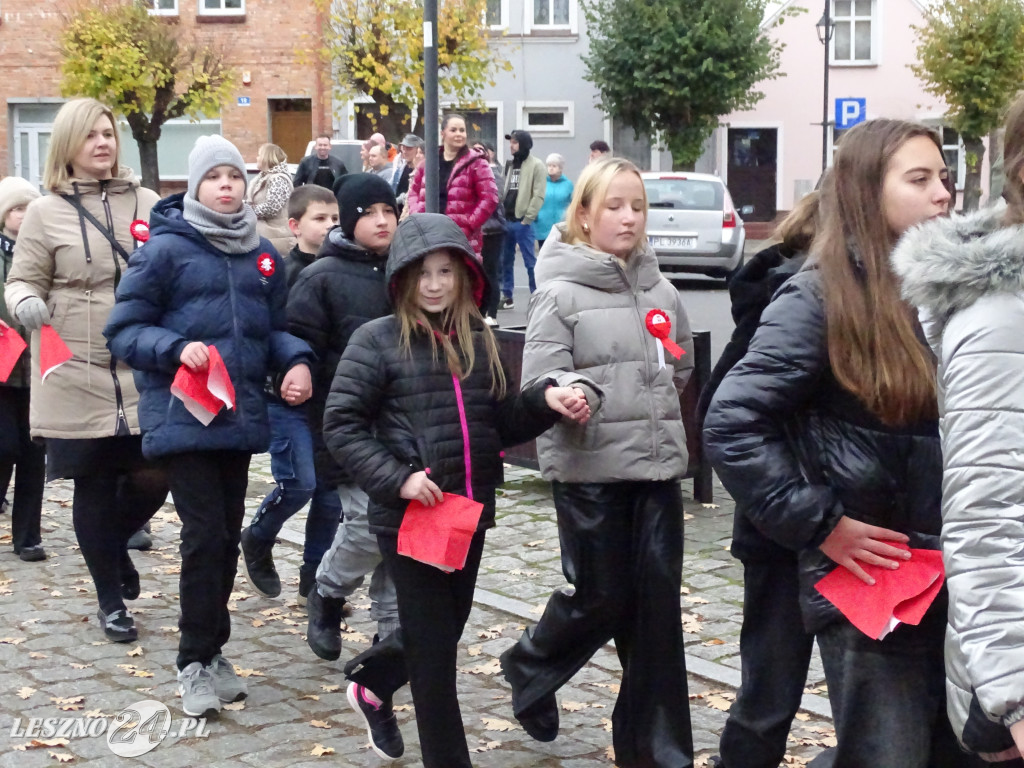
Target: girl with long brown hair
x,y
420,406
826,432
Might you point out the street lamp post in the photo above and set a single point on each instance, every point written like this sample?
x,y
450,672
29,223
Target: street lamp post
x,y
825,28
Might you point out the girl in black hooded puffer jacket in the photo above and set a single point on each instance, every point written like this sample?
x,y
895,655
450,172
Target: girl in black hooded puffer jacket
x,y
419,406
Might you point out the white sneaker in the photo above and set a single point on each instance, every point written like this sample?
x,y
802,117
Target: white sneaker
x,y
198,696
490,321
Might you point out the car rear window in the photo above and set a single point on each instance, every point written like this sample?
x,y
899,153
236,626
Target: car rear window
x,y
684,194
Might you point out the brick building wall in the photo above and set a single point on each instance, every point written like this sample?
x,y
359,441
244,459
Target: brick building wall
x,y
274,41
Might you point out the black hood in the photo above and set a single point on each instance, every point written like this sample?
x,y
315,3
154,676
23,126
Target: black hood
x,y
424,233
525,144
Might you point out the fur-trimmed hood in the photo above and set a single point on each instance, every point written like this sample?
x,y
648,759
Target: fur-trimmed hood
x,y
948,264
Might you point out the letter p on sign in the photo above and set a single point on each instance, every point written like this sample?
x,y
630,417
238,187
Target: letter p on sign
x,y
849,112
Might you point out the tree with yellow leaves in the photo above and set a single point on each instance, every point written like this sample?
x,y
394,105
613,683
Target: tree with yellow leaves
x,y
143,68
376,49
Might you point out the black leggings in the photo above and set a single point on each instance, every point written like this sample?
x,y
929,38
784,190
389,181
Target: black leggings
x,y
109,506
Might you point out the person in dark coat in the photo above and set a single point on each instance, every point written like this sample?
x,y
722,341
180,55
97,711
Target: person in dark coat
x,y
341,291
419,406
826,434
205,280
774,656
321,168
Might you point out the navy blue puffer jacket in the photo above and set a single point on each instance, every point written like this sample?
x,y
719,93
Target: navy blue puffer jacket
x,y
178,288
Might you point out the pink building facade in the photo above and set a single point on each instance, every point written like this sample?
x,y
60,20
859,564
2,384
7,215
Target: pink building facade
x,y
771,156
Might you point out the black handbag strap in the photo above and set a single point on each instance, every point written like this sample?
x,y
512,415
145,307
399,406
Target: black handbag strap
x,y
73,199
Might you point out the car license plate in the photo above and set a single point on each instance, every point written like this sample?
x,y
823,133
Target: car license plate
x,y
673,242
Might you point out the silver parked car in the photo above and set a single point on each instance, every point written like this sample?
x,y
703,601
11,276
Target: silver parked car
x,y
692,224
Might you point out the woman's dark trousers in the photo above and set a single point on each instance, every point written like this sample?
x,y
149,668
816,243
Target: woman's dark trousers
x,y
622,548
108,507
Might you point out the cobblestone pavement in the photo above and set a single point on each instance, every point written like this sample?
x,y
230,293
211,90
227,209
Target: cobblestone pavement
x,y
56,663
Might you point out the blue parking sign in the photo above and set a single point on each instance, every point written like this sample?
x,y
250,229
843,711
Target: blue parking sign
x,y
849,112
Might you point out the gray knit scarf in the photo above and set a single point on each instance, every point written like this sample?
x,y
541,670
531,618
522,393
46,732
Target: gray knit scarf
x,y
228,232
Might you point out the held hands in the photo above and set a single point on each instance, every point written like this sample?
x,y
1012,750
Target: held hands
x,y
421,488
195,356
297,385
571,402
32,313
852,540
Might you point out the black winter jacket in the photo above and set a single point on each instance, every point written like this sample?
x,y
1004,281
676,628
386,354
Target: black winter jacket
x,y
781,401
333,296
391,413
751,290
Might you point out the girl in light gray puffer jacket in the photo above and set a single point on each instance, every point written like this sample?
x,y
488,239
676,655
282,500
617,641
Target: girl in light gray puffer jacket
x,y
966,276
592,324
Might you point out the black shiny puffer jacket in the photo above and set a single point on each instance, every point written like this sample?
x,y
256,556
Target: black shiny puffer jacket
x,y
391,413
333,296
781,402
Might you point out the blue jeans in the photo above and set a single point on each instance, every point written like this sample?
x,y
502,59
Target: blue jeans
x,y
292,464
517,233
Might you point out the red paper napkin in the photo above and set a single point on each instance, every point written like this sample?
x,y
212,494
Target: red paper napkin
x,y
439,535
204,393
899,596
11,347
53,352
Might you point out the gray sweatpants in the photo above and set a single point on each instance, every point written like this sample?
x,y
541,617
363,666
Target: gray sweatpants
x,y
353,554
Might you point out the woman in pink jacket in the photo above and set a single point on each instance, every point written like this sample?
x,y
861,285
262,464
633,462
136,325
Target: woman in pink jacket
x,y
466,189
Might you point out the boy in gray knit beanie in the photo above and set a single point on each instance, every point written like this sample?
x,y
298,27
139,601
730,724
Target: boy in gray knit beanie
x,y
205,290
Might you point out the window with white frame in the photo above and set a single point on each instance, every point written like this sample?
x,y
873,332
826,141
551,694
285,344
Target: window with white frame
x,y
162,7
954,154
177,138
496,15
853,39
222,6
551,14
549,118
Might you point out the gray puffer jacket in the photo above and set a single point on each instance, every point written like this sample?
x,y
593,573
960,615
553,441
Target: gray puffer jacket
x,y
587,324
966,276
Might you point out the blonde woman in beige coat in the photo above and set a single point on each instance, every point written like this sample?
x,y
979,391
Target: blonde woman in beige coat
x,y
268,194
72,249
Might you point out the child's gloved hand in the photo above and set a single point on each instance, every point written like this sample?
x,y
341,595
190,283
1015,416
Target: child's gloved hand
x,y
571,402
32,313
297,385
195,356
421,488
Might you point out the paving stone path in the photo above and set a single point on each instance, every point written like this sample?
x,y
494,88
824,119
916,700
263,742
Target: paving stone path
x,y
55,663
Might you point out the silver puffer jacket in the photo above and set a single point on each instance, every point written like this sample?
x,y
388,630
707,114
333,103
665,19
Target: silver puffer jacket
x,y
966,276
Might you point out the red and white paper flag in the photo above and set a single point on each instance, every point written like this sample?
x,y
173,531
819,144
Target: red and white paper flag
x,y
205,393
53,352
11,347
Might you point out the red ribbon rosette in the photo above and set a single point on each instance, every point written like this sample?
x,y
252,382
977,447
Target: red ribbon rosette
x,y
139,230
660,327
266,265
